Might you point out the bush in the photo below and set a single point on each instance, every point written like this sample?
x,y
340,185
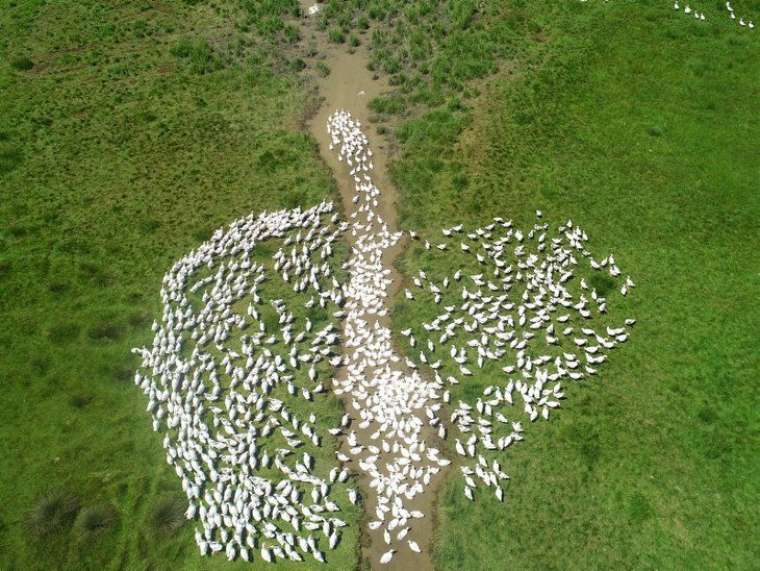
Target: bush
x,y
601,283
81,400
53,513
63,333
106,330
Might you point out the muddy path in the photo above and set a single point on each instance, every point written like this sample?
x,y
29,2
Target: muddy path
x,y
350,86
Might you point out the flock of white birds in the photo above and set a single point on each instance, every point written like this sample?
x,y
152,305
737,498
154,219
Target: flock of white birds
x,y
391,402
223,363
239,360
232,370
686,8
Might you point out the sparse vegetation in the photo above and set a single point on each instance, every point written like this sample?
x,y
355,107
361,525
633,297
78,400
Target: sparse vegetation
x,y
323,69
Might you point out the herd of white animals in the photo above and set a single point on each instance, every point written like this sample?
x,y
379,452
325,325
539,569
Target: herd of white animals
x,y
230,372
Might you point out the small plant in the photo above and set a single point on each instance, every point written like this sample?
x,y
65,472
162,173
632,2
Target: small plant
x,y
337,36
52,513
322,69
390,105
601,283
199,55
64,333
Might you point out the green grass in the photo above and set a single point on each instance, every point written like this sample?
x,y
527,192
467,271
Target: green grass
x,y
129,133
137,131
642,127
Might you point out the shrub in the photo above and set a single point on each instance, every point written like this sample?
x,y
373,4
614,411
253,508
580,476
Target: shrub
x,y
64,333
107,330
601,283
387,104
81,400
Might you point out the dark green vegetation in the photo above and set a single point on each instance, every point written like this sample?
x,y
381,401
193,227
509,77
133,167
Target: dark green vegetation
x,y
643,128
127,135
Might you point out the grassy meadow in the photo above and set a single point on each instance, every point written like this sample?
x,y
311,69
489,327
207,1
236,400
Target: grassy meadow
x,y
643,128
129,132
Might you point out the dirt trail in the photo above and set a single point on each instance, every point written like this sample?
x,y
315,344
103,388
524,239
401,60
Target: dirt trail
x,y
350,86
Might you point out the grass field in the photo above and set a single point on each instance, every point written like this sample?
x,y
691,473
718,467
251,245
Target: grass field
x,y
128,132
643,128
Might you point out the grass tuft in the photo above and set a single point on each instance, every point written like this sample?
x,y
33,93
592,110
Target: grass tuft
x,y
53,513
169,514
94,520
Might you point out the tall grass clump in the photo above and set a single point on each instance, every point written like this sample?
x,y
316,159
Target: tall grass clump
x,y
94,520
53,513
168,515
